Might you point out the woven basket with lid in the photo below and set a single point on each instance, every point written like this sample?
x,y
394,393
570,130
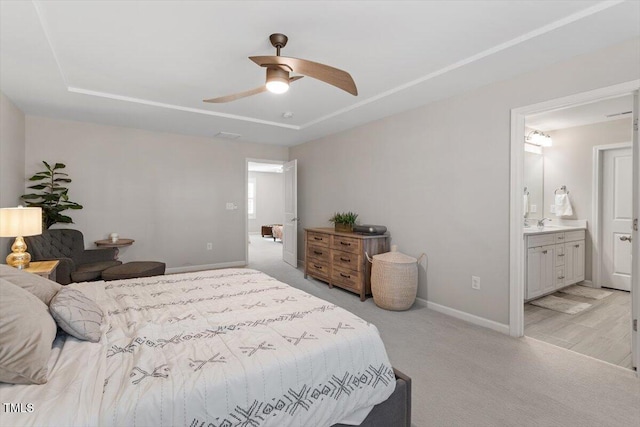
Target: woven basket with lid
x,y
394,280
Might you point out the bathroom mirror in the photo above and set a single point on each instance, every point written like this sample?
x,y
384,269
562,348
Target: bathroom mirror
x,y
533,181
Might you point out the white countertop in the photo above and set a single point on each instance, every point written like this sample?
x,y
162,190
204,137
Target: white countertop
x,y
533,229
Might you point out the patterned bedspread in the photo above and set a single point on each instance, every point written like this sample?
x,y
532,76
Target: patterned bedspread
x,y
236,347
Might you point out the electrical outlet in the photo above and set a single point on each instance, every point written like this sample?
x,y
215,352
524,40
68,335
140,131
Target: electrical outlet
x,y
209,246
475,282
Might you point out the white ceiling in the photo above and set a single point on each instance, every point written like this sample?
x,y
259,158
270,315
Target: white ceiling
x,y
150,64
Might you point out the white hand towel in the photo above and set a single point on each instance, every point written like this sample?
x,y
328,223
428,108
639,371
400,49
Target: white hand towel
x,y
563,205
526,204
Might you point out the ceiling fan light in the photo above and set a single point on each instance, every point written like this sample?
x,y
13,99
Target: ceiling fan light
x,y
277,80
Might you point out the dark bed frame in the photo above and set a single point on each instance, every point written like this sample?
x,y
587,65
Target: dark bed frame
x,y
393,412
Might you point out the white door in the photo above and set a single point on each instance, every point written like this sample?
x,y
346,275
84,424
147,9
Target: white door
x,y
617,181
290,229
635,243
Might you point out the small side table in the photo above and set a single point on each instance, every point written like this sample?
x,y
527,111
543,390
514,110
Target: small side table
x,y
120,243
46,269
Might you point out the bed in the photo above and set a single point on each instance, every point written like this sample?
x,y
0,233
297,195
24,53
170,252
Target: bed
x,y
277,232
218,348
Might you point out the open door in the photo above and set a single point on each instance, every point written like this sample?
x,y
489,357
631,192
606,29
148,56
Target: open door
x,y
290,229
635,239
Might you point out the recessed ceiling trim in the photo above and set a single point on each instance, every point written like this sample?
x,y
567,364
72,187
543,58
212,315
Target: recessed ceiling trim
x,y
178,107
498,48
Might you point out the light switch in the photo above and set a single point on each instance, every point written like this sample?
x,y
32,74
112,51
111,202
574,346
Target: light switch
x,y
533,208
552,208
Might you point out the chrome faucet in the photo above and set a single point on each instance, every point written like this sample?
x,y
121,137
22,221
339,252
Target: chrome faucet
x,y
541,222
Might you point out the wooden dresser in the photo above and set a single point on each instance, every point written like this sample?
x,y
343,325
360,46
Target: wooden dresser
x,y
339,258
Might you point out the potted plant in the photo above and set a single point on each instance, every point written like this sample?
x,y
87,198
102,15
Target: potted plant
x,y
54,198
344,221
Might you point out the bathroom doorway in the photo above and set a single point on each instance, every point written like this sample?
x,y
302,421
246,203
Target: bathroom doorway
x,y
602,325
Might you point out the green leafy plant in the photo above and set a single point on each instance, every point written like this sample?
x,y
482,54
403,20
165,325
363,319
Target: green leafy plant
x,y
348,218
54,198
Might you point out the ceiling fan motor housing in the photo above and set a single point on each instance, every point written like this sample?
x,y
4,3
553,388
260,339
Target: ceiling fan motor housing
x,y
275,74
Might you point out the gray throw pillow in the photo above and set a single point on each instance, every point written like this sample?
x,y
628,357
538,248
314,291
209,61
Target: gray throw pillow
x,y
39,286
77,314
27,332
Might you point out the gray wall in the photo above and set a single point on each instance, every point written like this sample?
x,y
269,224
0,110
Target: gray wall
x,y
269,200
438,177
166,191
12,154
570,162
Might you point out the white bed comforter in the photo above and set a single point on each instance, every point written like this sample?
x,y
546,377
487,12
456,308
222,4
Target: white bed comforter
x,y
218,348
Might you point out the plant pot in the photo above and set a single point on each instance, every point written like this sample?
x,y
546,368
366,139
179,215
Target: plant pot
x,y
345,228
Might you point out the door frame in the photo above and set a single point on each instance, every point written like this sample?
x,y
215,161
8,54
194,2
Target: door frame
x,y
246,197
596,209
516,236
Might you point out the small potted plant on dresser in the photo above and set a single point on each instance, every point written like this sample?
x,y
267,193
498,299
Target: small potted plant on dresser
x,y
344,221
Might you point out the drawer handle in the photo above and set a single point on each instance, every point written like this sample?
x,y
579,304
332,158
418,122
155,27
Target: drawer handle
x,y
560,254
561,277
576,246
560,238
345,244
317,266
545,251
317,252
317,238
345,276
345,259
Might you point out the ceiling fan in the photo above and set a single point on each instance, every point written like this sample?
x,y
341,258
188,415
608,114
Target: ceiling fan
x,y
278,69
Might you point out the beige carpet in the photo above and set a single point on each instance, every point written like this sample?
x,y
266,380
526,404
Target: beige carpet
x,y
586,292
561,304
466,375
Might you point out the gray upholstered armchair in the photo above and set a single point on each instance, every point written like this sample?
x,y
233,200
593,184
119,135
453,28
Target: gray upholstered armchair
x,y
67,246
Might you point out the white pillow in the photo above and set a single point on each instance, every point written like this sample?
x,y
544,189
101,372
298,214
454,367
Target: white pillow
x,y
77,315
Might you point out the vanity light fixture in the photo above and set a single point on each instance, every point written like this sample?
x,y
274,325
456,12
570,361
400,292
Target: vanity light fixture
x,y
536,137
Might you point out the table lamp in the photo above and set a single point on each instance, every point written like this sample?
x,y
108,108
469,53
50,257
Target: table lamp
x,y
19,222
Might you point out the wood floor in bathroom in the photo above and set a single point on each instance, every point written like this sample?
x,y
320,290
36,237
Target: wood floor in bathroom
x,y
602,331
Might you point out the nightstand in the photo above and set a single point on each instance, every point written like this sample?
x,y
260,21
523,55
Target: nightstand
x,y
46,269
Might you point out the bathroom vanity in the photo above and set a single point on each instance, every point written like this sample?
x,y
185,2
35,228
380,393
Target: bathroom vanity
x,y
555,259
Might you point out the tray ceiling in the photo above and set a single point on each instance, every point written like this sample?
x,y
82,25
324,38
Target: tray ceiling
x,y
150,64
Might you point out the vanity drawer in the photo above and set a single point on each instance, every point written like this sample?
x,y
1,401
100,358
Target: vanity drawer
x,y
346,278
320,253
318,239
347,260
560,274
572,236
560,256
318,268
541,240
559,238
347,244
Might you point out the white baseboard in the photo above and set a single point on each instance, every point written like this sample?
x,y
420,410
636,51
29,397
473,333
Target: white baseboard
x,y
588,283
462,315
191,268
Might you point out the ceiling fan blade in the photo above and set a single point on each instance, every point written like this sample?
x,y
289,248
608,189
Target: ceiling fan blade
x,y
333,76
236,96
244,94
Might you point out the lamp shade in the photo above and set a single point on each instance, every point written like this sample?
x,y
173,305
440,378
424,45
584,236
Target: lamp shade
x,y
20,221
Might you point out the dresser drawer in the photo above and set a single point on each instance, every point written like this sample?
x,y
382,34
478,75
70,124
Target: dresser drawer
x,y
347,244
318,239
318,268
320,253
346,278
347,260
